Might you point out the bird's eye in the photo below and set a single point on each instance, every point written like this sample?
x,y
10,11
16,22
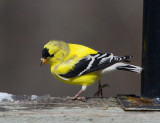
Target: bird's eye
x,y
52,55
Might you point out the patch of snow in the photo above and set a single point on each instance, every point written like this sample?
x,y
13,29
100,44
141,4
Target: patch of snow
x,y
6,96
34,97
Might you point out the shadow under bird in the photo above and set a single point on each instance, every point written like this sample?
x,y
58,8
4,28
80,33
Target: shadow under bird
x,y
80,65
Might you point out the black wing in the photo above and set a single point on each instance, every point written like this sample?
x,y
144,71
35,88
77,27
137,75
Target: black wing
x,y
94,62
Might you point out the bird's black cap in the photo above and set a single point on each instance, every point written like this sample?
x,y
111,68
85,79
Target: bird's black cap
x,y
45,53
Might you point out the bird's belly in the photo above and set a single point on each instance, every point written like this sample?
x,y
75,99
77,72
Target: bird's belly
x,y
86,79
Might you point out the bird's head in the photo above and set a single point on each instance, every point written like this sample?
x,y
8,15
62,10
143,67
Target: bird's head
x,y
54,51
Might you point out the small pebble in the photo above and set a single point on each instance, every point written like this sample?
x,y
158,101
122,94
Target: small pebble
x,y
106,108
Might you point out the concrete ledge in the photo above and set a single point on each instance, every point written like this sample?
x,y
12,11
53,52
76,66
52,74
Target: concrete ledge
x,y
46,109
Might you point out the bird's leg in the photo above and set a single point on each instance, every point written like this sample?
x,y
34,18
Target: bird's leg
x,y
100,87
77,97
99,90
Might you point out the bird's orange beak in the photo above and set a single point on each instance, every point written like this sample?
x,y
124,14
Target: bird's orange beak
x,y
43,61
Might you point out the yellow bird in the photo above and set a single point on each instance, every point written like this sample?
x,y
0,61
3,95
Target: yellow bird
x,y
80,65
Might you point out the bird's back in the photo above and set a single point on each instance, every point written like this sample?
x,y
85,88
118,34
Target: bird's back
x,y
79,51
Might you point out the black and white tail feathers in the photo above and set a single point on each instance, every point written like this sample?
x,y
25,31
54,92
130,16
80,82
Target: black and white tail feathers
x,y
119,65
128,67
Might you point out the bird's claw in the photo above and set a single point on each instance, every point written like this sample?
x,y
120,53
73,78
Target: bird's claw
x,y
105,85
99,92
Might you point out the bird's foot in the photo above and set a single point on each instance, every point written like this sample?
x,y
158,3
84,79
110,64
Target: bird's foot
x,y
76,98
99,92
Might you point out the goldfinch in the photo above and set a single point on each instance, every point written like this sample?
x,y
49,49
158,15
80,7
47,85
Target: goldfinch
x,y
80,65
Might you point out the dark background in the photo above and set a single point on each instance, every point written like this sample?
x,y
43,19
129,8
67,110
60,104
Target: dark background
x,y
107,26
